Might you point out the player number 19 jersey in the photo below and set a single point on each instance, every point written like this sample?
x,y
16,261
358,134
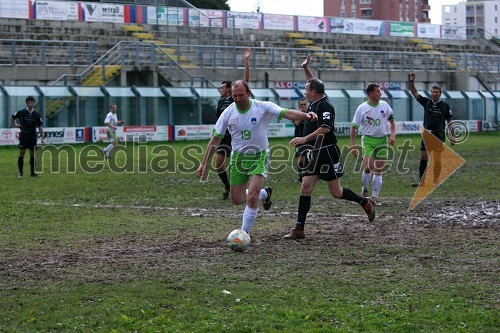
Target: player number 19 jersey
x,y
248,128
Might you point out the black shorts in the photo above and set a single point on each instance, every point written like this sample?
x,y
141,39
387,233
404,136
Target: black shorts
x,y
27,141
224,147
324,162
440,136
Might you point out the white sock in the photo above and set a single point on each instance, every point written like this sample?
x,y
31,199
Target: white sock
x,y
249,216
366,179
262,194
376,185
108,148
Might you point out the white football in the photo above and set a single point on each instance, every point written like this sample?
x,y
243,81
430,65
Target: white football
x,y
238,240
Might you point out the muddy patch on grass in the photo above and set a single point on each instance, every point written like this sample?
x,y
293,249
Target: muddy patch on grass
x,y
454,237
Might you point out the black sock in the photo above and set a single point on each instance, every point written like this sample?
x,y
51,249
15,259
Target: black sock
x,y
421,169
223,177
20,164
304,206
32,164
347,194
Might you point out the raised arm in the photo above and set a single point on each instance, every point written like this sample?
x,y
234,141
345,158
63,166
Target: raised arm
x,y
413,90
246,57
305,66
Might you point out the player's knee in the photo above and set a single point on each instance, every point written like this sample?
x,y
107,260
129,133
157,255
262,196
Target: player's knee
x,y
237,198
306,190
253,197
336,193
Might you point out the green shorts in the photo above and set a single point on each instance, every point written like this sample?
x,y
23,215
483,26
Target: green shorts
x,y
245,165
375,147
112,136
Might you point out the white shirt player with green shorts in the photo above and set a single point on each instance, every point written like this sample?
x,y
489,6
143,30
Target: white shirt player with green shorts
x,y
111,120
374,122
250,145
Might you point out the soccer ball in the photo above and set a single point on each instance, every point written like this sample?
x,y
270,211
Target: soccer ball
x,y
238,240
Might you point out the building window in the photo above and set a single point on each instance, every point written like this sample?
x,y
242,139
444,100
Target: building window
x,y
479,10
469,20
353,13
469,10
496,19
353,2
343,3
342,13
365,1
366,13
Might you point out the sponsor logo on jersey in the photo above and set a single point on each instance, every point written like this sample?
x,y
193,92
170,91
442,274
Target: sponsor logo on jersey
x,y
233,123
253,121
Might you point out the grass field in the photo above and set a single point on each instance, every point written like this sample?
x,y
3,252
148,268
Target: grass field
x,y
129,246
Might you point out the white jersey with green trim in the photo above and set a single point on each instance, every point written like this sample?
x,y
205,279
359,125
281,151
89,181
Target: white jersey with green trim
x,y
248,128
373,119
111,119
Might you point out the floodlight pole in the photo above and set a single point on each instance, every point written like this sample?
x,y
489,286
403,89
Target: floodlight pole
x,y
156,5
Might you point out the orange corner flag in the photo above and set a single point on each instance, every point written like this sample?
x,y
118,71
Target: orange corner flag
x,y
443,162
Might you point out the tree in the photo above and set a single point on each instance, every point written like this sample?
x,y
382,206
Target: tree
x,y
210,4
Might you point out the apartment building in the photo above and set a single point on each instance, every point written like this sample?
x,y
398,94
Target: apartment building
x,y
474,15
391,10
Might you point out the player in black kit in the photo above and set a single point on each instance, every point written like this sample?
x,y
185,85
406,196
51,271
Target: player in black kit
x,y
436,112
224,148
322,155
29,120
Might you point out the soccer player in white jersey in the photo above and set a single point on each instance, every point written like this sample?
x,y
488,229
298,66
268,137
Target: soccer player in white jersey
x,y
374,117
248,120
112,122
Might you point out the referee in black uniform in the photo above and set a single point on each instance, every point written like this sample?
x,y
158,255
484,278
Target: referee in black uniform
x,y
29,120
322,155
436,112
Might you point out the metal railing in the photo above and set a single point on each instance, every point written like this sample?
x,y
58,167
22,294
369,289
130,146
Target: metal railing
x,y
484,75
139,55
173,59
46,52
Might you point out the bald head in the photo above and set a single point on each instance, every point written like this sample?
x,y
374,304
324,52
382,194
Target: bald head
x,y
241,94
241,82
